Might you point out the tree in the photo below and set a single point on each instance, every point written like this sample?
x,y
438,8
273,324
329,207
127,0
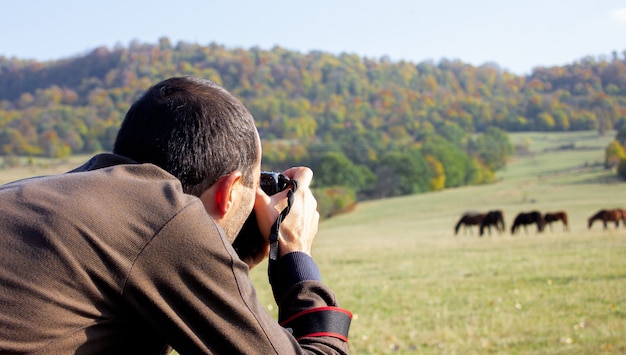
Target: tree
x,y
335,169
493,148
402,173
454,160
438,182
453,133
613,153
621,168
621,135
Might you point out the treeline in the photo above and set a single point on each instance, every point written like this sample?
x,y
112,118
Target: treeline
x,y
370,127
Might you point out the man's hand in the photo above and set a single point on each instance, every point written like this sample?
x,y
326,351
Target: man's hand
x,y
299,227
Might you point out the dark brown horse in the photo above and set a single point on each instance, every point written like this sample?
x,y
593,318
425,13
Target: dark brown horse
x,y
525,218
550,217
606,216
493,218
469,219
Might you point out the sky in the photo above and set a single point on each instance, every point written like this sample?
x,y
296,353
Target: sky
x,y
517,35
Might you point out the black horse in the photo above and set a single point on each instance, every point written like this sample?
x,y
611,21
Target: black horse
x,y
493,218
525,218
469,219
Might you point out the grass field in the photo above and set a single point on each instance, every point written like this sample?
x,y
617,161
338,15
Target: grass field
x,y
416,288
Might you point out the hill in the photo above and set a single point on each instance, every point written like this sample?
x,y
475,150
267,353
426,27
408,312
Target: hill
x,y
372,127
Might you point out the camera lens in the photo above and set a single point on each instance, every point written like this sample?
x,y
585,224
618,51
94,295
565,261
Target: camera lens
x,y
272,182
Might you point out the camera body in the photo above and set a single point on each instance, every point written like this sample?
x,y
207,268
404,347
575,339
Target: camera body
x,y
250,240
273,183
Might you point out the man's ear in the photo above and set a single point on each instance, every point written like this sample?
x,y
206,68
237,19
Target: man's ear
x,y
220,197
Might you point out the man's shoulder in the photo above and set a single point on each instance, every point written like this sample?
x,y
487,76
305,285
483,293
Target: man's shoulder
x,y
145,185
109,185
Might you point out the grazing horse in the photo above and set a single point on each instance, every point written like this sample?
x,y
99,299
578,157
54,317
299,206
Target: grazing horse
x,y
523,219
493,218
606,216
469,219
550,217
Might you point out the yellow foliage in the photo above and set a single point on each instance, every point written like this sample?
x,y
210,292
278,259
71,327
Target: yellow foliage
x,y
438,182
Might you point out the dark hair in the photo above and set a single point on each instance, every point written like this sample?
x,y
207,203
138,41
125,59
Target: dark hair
x,y
192,128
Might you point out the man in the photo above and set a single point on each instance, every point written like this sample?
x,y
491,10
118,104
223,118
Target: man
x,y
131,253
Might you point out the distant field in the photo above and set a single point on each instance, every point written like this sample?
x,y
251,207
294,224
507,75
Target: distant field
x,y
416,288
39,166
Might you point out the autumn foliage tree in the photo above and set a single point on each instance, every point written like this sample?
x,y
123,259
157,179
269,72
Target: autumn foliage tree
x,y
379,127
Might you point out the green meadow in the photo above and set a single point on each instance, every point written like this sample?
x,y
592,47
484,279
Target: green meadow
x,y
414,287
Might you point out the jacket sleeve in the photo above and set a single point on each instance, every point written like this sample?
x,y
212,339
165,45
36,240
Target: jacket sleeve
x,y
189,285
306,306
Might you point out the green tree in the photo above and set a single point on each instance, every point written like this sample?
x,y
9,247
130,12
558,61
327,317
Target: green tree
x,y
334,200
453,133
493,148
621,168
455,161
335,169
402,173
438,182
621,135
613,153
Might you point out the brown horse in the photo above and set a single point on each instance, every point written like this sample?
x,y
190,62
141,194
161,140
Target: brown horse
x,y
606,216
469,219
550,217
493,218
524,218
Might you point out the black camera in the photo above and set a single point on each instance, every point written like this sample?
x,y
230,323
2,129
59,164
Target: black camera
x,y
250,240
273,183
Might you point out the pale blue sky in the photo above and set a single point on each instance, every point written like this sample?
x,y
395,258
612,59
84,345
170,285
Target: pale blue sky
x,y
518,35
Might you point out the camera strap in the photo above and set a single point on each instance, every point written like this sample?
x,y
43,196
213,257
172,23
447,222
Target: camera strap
x,y
273,238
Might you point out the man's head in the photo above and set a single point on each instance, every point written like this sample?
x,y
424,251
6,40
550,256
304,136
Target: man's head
x,y
194,129
205,137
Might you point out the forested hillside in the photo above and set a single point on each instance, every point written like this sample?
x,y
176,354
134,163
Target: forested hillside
x,y
369,127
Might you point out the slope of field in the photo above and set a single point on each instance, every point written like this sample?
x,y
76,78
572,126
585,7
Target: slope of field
x,y
415,287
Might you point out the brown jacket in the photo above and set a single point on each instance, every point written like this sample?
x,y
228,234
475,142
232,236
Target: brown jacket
x,y
113,258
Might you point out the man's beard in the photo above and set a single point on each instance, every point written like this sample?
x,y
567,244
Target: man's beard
x,y
234,225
